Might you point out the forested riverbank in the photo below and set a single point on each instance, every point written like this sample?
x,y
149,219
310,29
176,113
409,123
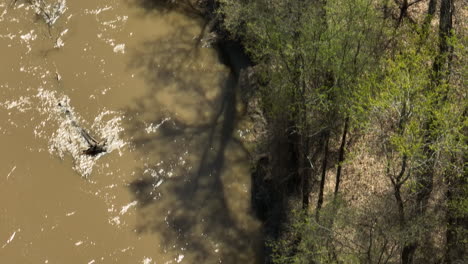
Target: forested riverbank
x,y
362,158
234,131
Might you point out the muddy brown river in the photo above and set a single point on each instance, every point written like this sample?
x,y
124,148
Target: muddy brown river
x,y
174,184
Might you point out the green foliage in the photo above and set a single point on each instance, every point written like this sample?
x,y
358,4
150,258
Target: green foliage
x,y
318,243
312,54
402,102
320,62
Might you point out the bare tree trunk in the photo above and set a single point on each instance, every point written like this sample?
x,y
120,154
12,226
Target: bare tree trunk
x,y
407,255
441,68
341,157
431,9
441,64
457,222
324,174
409,248
403,11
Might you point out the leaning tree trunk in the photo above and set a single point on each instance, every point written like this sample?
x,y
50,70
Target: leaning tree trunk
x,y
341,157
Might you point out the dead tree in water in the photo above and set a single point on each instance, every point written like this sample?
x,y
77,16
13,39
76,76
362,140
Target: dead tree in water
x,y
95,147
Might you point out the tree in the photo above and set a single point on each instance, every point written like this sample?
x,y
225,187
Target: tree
x,y
327,68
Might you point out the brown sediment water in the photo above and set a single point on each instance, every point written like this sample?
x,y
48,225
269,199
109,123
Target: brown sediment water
x,y
174,184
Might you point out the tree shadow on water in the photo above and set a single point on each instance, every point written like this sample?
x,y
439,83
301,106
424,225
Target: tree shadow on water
x,y
191,158
188,7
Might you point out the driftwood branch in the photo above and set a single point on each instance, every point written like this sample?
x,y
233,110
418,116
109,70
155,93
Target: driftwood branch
x,y
95,147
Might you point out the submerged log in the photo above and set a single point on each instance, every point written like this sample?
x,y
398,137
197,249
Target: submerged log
x,y
95,147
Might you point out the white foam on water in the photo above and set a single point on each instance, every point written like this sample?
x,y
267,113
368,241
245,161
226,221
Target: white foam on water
x,y
50,12
27,39
151,128
126,249
10,239
114,220
119,48
128,206
9,36
59,41
152,172
11,171
159,183
29,36
22,104
109,130
113,24
147,260
3,13
97,11
67,139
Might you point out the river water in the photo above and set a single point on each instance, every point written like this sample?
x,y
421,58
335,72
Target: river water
x,y
174,184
